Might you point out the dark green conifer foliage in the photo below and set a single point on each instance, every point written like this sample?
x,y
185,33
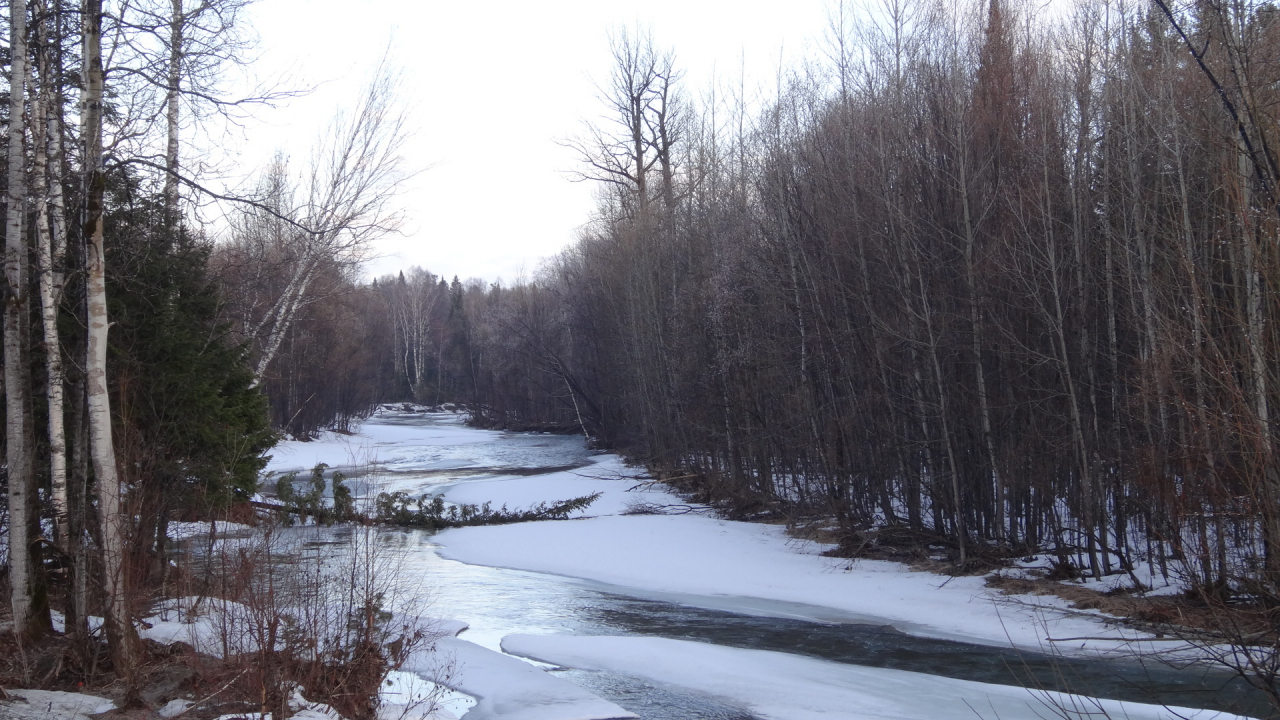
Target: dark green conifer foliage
x,y
192,431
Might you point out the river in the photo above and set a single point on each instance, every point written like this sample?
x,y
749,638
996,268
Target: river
x,y
496,602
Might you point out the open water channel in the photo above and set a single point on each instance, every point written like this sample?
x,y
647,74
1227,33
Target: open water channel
x,y
496,602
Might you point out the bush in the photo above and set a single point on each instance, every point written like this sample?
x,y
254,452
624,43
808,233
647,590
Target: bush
x,y
329,620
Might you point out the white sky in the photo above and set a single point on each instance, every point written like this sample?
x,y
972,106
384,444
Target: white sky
x,y
492,87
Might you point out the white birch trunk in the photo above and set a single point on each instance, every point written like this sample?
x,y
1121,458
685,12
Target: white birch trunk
x,y
49,258
120,631
284,319
21,481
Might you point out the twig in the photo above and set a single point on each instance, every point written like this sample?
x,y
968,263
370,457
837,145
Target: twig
x,y
211,696
1114,639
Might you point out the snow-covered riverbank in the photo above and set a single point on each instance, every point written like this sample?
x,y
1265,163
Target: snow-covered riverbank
x,y
698,560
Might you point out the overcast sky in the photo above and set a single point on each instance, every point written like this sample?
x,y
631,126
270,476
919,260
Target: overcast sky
x,y
492,87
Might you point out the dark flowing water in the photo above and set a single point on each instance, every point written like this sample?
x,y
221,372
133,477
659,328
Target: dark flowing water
x,y
497,602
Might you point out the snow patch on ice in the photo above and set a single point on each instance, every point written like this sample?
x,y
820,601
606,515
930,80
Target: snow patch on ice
x,y
619,490
692,555
506,688
184,530
390,443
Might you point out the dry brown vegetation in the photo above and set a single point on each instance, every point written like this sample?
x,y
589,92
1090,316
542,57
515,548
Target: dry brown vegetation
x,y
331,624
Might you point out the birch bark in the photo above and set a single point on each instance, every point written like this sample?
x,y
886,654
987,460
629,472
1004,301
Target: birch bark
x,y
20,471
50,249
121,635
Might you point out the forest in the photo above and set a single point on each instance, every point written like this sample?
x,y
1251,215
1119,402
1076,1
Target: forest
x,y
980,281
141,343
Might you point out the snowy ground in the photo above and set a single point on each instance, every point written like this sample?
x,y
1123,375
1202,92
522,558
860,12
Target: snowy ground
x,y
46,704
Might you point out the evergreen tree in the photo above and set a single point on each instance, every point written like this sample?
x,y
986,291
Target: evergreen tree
x,y
192,427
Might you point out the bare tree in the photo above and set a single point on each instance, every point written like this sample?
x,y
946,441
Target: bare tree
x,y
343,202
643,125
51,244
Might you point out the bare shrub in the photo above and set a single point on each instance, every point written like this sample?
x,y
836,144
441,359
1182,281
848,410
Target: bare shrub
x,y
325,613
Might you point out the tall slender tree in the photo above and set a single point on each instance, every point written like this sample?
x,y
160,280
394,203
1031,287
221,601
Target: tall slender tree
x,y
121,635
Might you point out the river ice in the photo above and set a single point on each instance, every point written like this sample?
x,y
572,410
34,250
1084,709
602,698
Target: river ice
x,y
697,555
700,560
508,688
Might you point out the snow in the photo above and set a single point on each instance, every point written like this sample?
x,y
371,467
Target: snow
x,y
220,528
694,556
173,708
378,442
386,442
94,622
506,688
405,696
209,625
1146,572
45,704
218,627
781,686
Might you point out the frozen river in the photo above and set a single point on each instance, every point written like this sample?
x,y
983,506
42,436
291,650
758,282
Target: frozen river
x,y
628,609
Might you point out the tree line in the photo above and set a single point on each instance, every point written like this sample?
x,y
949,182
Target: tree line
x,y
1001,284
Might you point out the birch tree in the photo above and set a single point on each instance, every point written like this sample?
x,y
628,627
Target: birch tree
x,y
23,529
343,202
51,243
121,636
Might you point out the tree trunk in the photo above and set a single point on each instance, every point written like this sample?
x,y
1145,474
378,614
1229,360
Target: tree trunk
x,y
23,579
51,245
121,636
976,341
174,79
